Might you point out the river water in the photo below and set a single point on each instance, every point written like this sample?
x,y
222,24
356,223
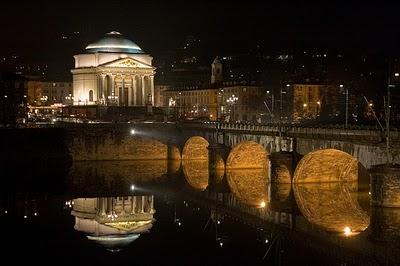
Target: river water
x,y
165,213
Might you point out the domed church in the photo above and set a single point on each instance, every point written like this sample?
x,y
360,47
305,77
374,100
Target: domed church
x,y
113,71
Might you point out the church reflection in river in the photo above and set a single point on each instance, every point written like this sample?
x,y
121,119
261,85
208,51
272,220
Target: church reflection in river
x,y
114,222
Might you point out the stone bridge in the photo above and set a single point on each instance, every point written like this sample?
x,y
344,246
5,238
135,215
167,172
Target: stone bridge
x,y
284,154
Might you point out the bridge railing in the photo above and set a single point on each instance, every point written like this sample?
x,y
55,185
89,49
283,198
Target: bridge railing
x,y
327,132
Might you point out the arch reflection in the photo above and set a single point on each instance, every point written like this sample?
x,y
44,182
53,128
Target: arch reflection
x,y
196,173
332,207
249,186
114,222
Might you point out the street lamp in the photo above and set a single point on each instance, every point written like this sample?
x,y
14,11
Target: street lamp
x,y
347,105
231,101
112,98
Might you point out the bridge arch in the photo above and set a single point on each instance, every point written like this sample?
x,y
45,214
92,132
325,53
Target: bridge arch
x,y
326,165
195,149
247,154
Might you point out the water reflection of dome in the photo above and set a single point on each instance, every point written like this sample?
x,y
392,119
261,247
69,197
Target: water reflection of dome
x,y
249,186
196,173
114,222
331,207
114,243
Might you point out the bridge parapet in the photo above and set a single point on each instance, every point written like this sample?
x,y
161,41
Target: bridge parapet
x,y
337,133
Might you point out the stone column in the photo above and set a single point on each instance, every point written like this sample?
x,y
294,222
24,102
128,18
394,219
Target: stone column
x,y
152,89
103,89
151,204
134,88
133,203
143,90
142,204
130,93
385,186
123,92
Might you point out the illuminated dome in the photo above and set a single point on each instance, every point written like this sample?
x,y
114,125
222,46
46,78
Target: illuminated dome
x,y
114,42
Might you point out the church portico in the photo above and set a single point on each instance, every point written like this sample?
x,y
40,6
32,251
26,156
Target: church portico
x,y
115,72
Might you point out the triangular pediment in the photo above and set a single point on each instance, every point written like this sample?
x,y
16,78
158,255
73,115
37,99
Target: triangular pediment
x,y
127,62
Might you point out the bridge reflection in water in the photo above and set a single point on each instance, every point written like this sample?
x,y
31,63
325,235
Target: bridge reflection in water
x,y
325,210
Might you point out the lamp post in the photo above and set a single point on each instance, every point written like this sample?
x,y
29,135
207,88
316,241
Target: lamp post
x,y
231,101
281,102
113,98
347,105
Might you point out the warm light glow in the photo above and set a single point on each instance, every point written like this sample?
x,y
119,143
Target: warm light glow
x,y
347,231
133,132
370,104
304,105
318,102
262,204
287,85
396,74
132,187
266,241
341,85
218,222
35,214
221,244
179,223
25,216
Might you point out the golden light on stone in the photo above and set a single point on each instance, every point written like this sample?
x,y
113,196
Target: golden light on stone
x,y
126,173
249,186
327,165
195,149
247,155
196,173
332,207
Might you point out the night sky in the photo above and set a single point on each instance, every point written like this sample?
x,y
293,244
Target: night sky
x,y
33,30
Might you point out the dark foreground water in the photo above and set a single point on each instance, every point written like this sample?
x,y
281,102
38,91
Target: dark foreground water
x,y
159,213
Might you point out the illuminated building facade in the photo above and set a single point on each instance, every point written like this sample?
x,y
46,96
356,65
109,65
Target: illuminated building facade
x,y
306,101
48,93
113,71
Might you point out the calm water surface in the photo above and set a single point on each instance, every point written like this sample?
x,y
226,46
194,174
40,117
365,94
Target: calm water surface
x,y
164,213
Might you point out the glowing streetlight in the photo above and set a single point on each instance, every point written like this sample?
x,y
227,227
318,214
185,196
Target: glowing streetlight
x,y
133,132
262,204
396,74
132,187
304,105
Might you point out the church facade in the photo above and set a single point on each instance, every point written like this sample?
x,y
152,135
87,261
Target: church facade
x,y
113,71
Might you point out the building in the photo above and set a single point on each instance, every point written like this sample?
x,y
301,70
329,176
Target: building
x,y
113,71
13,99
218,100
45,93
306,101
